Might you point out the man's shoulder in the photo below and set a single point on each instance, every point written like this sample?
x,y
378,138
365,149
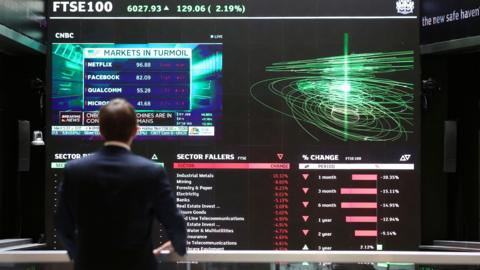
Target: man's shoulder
x,y
130,158
143,164
144,167
81,162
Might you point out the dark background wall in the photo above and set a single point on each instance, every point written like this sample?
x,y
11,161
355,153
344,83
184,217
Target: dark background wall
x,y
450,201
433,180
463,97
21,197
22,31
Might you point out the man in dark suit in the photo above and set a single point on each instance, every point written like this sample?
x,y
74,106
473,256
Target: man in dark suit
x,y
108,201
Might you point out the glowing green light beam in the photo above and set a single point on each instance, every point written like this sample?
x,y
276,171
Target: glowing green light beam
x,y
343,96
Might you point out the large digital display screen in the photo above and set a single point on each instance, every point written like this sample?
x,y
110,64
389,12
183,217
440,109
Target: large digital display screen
x,y
281,125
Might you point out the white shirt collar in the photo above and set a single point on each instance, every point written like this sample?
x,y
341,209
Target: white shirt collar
x,y
117,143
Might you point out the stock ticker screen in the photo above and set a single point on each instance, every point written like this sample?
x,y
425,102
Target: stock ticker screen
x,y
282,125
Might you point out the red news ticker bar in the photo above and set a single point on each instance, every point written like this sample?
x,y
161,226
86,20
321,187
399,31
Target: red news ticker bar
x,y
360,191
359,205
363,219
364,177
365,233
233,166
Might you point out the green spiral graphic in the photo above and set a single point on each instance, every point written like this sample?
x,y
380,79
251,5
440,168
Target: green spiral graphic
x,y
343,95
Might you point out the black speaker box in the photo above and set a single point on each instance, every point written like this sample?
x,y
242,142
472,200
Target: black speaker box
x,y
23,146
450,147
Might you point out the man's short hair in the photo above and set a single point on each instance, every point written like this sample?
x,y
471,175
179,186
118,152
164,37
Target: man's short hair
x,y
118,120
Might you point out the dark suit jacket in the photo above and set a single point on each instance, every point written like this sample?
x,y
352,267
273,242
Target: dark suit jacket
x,y
108,201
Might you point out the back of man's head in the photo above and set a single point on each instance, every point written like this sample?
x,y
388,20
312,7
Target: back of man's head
x,y
118,121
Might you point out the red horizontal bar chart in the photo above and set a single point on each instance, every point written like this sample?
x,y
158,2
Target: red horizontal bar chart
x,y
361,219
233,166
358,191
364,177
359,205
365,233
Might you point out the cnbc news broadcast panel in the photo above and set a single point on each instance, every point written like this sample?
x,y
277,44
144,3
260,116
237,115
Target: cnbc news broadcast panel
x,y
282,125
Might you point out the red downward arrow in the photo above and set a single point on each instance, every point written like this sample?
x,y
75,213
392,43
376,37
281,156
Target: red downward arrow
x,y
305,232
305,176
280,156
305,190
305,218
305,204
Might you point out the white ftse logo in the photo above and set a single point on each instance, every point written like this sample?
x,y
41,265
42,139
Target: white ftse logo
x,y
405,6
405,157
82,6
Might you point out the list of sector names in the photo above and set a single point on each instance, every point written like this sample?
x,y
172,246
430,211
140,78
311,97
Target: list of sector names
x,y
297,202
